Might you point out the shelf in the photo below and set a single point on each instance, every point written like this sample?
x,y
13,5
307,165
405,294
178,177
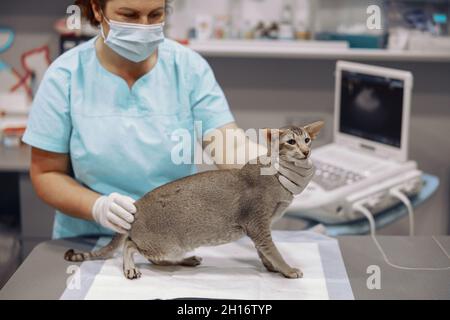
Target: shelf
x,y
308,50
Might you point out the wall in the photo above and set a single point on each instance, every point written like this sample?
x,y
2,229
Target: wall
x,y
33,23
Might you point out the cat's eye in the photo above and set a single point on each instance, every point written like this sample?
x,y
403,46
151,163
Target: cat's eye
x,y
307,140
291,142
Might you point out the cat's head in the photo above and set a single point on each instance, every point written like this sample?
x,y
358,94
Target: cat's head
x,y
295,142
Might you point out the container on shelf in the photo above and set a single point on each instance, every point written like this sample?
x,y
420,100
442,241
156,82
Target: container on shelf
x,y
359,41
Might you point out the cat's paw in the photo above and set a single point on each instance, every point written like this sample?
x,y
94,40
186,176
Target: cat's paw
x,y
132,273
191,261
73,256
293,273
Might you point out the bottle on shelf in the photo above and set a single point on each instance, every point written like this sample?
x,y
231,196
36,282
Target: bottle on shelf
x,y
303,15
286,26
260,31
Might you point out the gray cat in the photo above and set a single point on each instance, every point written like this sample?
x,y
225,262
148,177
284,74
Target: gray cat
x,y
209,209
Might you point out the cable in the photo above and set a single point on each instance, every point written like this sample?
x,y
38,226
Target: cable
x,y
366,212
442,247
403,198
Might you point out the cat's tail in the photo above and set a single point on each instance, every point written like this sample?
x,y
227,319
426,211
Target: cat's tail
x,y
103,253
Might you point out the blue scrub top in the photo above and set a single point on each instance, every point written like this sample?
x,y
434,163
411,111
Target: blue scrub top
x,y
119,139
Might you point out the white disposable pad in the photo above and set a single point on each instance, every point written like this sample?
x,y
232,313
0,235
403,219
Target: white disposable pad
x,y
230,271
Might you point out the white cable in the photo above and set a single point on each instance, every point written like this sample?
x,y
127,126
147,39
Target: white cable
x,y
403,198
442,247
366,212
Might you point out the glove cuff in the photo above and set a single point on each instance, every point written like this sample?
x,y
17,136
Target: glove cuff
x,y
96,209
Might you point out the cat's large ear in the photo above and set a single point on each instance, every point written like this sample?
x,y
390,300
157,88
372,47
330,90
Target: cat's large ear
x,y
313,129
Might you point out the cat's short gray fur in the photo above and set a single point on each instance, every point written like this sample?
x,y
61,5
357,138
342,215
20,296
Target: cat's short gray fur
x,y
209,209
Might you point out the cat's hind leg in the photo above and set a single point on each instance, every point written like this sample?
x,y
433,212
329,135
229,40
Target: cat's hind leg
x,y
191,261
186,262
167,253
104,253
175,258
129,268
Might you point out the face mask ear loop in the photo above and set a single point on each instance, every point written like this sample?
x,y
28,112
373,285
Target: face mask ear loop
x,y
102,32
101,25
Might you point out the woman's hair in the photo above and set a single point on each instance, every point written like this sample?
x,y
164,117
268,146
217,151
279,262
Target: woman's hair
x,y
88,13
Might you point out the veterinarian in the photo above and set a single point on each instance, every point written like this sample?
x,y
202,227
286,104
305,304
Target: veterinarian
x,y
101,122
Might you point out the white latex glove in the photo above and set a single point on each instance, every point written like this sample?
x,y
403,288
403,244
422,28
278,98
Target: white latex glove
x,y
296,177
115,212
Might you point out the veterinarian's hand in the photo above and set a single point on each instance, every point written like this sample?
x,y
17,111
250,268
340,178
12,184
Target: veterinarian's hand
x,y
115,212
295,177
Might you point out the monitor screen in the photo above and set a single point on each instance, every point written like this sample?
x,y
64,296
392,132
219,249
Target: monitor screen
x,y
371,107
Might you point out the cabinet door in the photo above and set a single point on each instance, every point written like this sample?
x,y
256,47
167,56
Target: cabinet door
x,y
36,217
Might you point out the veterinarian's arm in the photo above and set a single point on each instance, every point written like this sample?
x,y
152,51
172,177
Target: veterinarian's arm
x,y
49,174
50,177
235,149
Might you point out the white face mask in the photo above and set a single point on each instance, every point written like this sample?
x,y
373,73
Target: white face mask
x,y
135,42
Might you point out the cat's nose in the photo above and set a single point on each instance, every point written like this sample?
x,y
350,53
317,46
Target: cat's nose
x,y
306,153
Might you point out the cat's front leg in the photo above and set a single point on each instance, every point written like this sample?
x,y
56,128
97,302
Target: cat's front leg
x,y
266,262
272,257
275,262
